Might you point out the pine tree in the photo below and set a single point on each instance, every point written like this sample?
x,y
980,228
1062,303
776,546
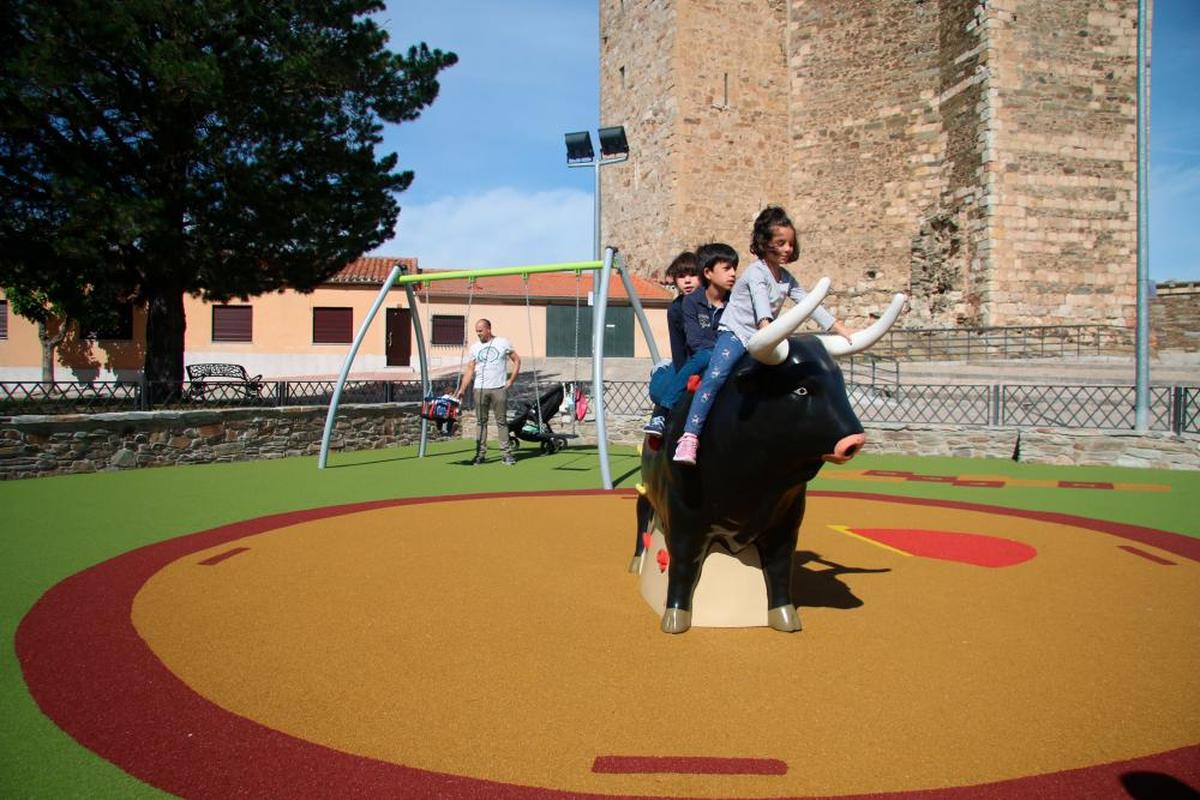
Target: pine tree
x,y
222,148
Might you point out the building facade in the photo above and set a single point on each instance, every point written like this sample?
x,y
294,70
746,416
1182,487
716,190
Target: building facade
x,y
307,335
979,156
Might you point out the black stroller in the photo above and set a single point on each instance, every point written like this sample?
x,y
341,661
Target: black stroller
x,y
523,422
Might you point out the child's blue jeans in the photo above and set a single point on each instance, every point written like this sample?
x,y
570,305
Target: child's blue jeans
x,y
728,350
674,388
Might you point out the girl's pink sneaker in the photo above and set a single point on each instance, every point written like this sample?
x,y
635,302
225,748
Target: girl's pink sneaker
x,y
685,451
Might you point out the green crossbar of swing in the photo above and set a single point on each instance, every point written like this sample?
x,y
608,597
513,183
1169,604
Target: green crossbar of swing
x,y
430,277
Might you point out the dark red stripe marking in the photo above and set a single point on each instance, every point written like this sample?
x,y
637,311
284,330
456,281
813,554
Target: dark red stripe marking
x,y
1084,485
981,484
1128,548
219,557
933,478
122,703
688,765
888,473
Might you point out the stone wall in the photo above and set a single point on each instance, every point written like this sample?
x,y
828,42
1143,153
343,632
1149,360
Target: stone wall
x,y
980,156
1064,201
33,446
641,212
1098,448
1175,316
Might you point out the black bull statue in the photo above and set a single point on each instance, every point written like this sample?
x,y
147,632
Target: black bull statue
x,y
780,416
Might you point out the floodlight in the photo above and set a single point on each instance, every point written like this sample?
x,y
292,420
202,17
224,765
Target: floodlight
x,y
579,146
612,141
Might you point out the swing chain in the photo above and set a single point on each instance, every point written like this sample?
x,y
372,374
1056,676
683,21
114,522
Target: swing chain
x,y
537,393
462,351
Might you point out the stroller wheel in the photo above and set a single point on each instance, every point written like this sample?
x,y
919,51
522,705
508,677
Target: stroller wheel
x,y
513,442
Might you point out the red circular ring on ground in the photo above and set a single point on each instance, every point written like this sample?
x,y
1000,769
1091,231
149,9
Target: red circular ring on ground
x,y
122,703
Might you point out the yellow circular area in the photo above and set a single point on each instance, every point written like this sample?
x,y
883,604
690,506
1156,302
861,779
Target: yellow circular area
x,y
503,639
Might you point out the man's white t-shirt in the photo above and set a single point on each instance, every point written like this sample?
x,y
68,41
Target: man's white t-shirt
x,y
491,362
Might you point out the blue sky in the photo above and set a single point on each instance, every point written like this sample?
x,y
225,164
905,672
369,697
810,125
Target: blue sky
x,y
492,187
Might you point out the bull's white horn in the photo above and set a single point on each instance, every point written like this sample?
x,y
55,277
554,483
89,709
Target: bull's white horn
x,y
837,346
769,345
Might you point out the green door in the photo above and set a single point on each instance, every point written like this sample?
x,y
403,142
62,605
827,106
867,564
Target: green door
x,y
560,331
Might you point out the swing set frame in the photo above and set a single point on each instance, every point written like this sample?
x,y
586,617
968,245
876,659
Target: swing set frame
x,y
612,261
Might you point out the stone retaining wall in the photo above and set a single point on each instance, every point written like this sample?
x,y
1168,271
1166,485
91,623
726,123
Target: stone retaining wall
x,y
32,446
1156,449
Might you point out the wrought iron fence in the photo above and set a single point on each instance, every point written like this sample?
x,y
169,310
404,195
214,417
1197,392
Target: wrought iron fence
x,y
1030,341
1172,408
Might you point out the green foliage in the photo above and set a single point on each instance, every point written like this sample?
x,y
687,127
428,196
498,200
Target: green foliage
x,y
223,148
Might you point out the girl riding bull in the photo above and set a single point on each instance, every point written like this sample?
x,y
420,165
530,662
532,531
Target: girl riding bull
x,y
756,299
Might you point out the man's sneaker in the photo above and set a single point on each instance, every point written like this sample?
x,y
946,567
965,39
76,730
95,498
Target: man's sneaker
x,y
655,427
478,460
508,461
685,451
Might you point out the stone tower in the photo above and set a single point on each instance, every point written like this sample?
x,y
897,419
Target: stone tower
x,y
980,156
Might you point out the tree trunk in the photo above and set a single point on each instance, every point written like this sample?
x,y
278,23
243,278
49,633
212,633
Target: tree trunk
x,y
165,324
47,354
48,343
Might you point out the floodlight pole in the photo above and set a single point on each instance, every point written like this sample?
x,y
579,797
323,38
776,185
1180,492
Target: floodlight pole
x,y
596,162
1141,406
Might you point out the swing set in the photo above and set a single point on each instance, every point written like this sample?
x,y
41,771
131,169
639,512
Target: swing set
x,y
605,268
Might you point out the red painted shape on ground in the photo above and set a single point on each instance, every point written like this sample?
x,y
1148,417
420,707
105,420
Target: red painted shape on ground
x,y
1128,548
688,765
888,473
219,557
967,548
122,703
933,478
1084,485
979,484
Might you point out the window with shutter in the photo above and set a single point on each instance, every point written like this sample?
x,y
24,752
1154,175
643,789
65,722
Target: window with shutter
x,y
3,319
333,325
232,323
447,330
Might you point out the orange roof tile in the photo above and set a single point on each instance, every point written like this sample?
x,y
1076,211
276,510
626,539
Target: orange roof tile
x,y
374,270
547,286
371,269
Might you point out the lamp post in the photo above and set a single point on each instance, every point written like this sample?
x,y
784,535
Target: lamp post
x,y
614,148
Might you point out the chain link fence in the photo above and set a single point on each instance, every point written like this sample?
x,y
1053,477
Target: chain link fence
x,y
1172,408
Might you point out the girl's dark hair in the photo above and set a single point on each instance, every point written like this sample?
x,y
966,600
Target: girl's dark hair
x,y
769,218
709,255
684,264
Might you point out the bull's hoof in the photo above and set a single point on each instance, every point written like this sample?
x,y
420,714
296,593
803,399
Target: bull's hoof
x,y
676,620
635,565
784,618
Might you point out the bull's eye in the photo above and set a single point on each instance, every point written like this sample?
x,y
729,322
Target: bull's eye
x,y
801,390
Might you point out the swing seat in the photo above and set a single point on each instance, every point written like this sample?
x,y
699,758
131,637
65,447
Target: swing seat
x,y
440,409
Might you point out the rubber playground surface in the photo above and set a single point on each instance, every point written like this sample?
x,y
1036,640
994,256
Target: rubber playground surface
x,y
423,628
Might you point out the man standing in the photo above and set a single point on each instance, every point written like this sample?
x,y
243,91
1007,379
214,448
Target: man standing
x,y
489,368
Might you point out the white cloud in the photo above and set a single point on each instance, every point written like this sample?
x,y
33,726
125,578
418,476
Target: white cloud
x,y
500,227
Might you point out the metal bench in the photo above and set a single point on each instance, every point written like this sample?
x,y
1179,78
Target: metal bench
x,y
217,380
